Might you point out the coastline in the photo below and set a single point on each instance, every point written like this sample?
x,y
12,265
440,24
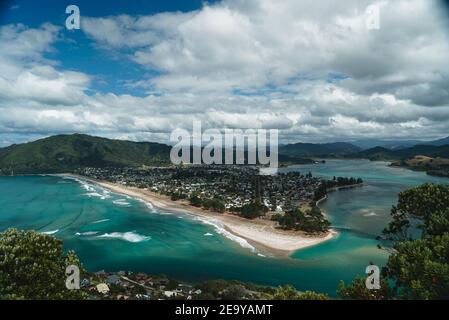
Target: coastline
x,y
259,233
434,172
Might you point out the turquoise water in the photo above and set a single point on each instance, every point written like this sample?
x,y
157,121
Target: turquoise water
x,y
113,232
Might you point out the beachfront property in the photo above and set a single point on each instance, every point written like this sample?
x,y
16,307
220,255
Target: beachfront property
x,y
127,285
234,186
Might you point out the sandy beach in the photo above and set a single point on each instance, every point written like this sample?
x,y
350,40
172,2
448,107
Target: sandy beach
x,y
260,233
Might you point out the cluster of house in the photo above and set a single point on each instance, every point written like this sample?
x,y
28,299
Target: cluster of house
x,y
125,285
234,185
287,191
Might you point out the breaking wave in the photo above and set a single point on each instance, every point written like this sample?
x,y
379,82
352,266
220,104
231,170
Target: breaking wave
x,y
219,228
126,236
50,232
121,202
100,221
152,209
370,214
92,191
88,233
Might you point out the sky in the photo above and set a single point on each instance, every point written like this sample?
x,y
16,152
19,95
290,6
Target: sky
x,y
138,69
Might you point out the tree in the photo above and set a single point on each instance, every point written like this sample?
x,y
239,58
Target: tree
x,y
288,292
312,221
357,290
252,210
234,292
320,192
311,295
195,200
418,268
214,204
425,203
175,196
32,267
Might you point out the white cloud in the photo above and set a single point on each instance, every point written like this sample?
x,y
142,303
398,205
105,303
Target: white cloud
x,y
312,70
234,45
27,77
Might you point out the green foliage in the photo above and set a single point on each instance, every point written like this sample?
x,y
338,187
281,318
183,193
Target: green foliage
x,y
234,292
218,289
195,200
357,290
289,293
311,295
420,268
32,267
336,182
252,210
320,192
214,204
338,149
341,182
380,153
437,223
177,196
428,202
65,153
312,221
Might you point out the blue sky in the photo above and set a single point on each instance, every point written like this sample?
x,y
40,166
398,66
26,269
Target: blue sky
x,y
75,51
140,69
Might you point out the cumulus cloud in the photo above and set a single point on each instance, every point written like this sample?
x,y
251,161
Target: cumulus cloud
x,y
311,69
27,77
236,45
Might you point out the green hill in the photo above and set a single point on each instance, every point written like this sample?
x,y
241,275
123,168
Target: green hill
x,y
377,153
325,150
380,153
64,153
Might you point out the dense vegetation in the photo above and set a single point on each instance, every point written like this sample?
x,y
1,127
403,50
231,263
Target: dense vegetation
x,y
339,182
236,290
337,149
195,199
32,266
311,221
64,153
432,166
380,153
418,268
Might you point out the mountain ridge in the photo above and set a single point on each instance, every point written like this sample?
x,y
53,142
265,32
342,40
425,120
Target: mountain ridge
x,y
381,153
64,153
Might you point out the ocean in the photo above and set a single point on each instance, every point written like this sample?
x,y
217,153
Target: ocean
x,y
113,232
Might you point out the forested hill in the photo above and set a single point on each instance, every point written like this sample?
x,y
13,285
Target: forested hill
x,y
380,153
63,153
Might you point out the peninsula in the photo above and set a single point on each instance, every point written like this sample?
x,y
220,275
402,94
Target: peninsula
x,y
275,214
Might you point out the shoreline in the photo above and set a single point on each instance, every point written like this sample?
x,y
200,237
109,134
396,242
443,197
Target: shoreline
x,y
349,186
433,172
259,233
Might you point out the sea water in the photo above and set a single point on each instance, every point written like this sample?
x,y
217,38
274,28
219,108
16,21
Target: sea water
x,y
114,232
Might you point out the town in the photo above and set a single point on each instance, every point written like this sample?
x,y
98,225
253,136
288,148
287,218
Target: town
x,y
234,189
127,285
233,186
